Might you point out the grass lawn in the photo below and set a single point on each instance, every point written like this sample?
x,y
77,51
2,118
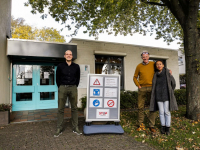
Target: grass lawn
x,y
185,134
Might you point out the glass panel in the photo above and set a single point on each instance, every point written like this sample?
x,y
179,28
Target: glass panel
x,y
101,69
98,69
47,75
47,95
23,96
116,60
24,74
101,59
105,69
115,69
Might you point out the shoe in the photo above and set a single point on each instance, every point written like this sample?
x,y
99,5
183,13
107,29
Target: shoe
x,y
152,129
58,132
167,130
141,127
162,130
76,130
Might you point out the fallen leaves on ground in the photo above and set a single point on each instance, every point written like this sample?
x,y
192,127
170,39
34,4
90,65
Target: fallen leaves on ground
x,y
184,133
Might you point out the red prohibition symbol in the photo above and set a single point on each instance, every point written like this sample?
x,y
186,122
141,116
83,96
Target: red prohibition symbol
x,y
110,103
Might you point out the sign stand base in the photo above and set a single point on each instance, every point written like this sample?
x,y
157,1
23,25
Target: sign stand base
x,y
99,129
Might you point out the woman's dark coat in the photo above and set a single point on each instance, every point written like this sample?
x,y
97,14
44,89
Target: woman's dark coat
x,y
171,86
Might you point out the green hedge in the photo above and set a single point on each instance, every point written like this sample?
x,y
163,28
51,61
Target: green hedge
x,y
128,99
180,96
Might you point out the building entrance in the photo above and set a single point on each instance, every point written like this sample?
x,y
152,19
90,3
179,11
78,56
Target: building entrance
x,y
34,87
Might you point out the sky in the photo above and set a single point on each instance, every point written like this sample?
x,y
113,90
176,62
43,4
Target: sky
x,y
20,11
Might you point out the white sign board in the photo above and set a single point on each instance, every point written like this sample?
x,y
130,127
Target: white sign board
x,y
84,71
103,98
20,81
46,75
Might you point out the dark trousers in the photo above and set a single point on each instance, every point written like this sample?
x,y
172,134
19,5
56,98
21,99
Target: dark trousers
x,y
143,94
69,91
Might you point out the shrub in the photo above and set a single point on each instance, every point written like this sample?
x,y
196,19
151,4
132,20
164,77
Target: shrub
x,y
83,102
5,107
180,96
128,99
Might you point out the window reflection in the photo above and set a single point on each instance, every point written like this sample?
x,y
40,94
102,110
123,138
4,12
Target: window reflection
x,y
101,59
47,75
24,74
23,96
115,69
47,96
116,60
105,69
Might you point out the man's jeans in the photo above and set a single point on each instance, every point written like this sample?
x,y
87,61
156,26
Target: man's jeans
x,y
164,113
69,91
144,93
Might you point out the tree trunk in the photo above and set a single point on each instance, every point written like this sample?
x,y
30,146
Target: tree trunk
x,y
192,57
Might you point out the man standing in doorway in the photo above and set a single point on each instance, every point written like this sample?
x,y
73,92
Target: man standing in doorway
x,y
145,71
67,80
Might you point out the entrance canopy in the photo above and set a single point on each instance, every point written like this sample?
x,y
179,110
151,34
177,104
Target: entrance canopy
x,y
38,51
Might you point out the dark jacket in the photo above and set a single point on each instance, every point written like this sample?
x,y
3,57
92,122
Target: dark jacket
x,y
161,89
67,75
171,86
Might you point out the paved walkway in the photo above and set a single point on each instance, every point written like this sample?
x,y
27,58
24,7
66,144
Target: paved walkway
x,y
39,136
40,115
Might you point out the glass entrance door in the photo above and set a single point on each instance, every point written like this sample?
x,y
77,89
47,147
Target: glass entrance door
x,y
34,87
46,87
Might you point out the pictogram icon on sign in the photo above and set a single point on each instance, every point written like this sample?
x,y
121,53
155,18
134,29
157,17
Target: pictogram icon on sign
x,y
96,82
96,102
110,103
96,92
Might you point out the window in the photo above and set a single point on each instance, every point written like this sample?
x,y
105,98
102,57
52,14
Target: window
x,y
24,75
110,65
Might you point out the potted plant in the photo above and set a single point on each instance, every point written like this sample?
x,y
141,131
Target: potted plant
x,y
5,113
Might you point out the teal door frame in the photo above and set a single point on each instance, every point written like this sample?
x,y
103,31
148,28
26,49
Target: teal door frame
x,y
35,89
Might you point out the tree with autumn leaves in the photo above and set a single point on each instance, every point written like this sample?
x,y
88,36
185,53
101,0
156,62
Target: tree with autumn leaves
x,y
168,19
20,30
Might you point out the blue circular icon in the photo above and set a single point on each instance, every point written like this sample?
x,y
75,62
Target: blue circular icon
x,y
96,102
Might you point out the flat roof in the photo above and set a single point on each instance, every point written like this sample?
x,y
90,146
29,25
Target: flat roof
x,y
32,48
79,39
